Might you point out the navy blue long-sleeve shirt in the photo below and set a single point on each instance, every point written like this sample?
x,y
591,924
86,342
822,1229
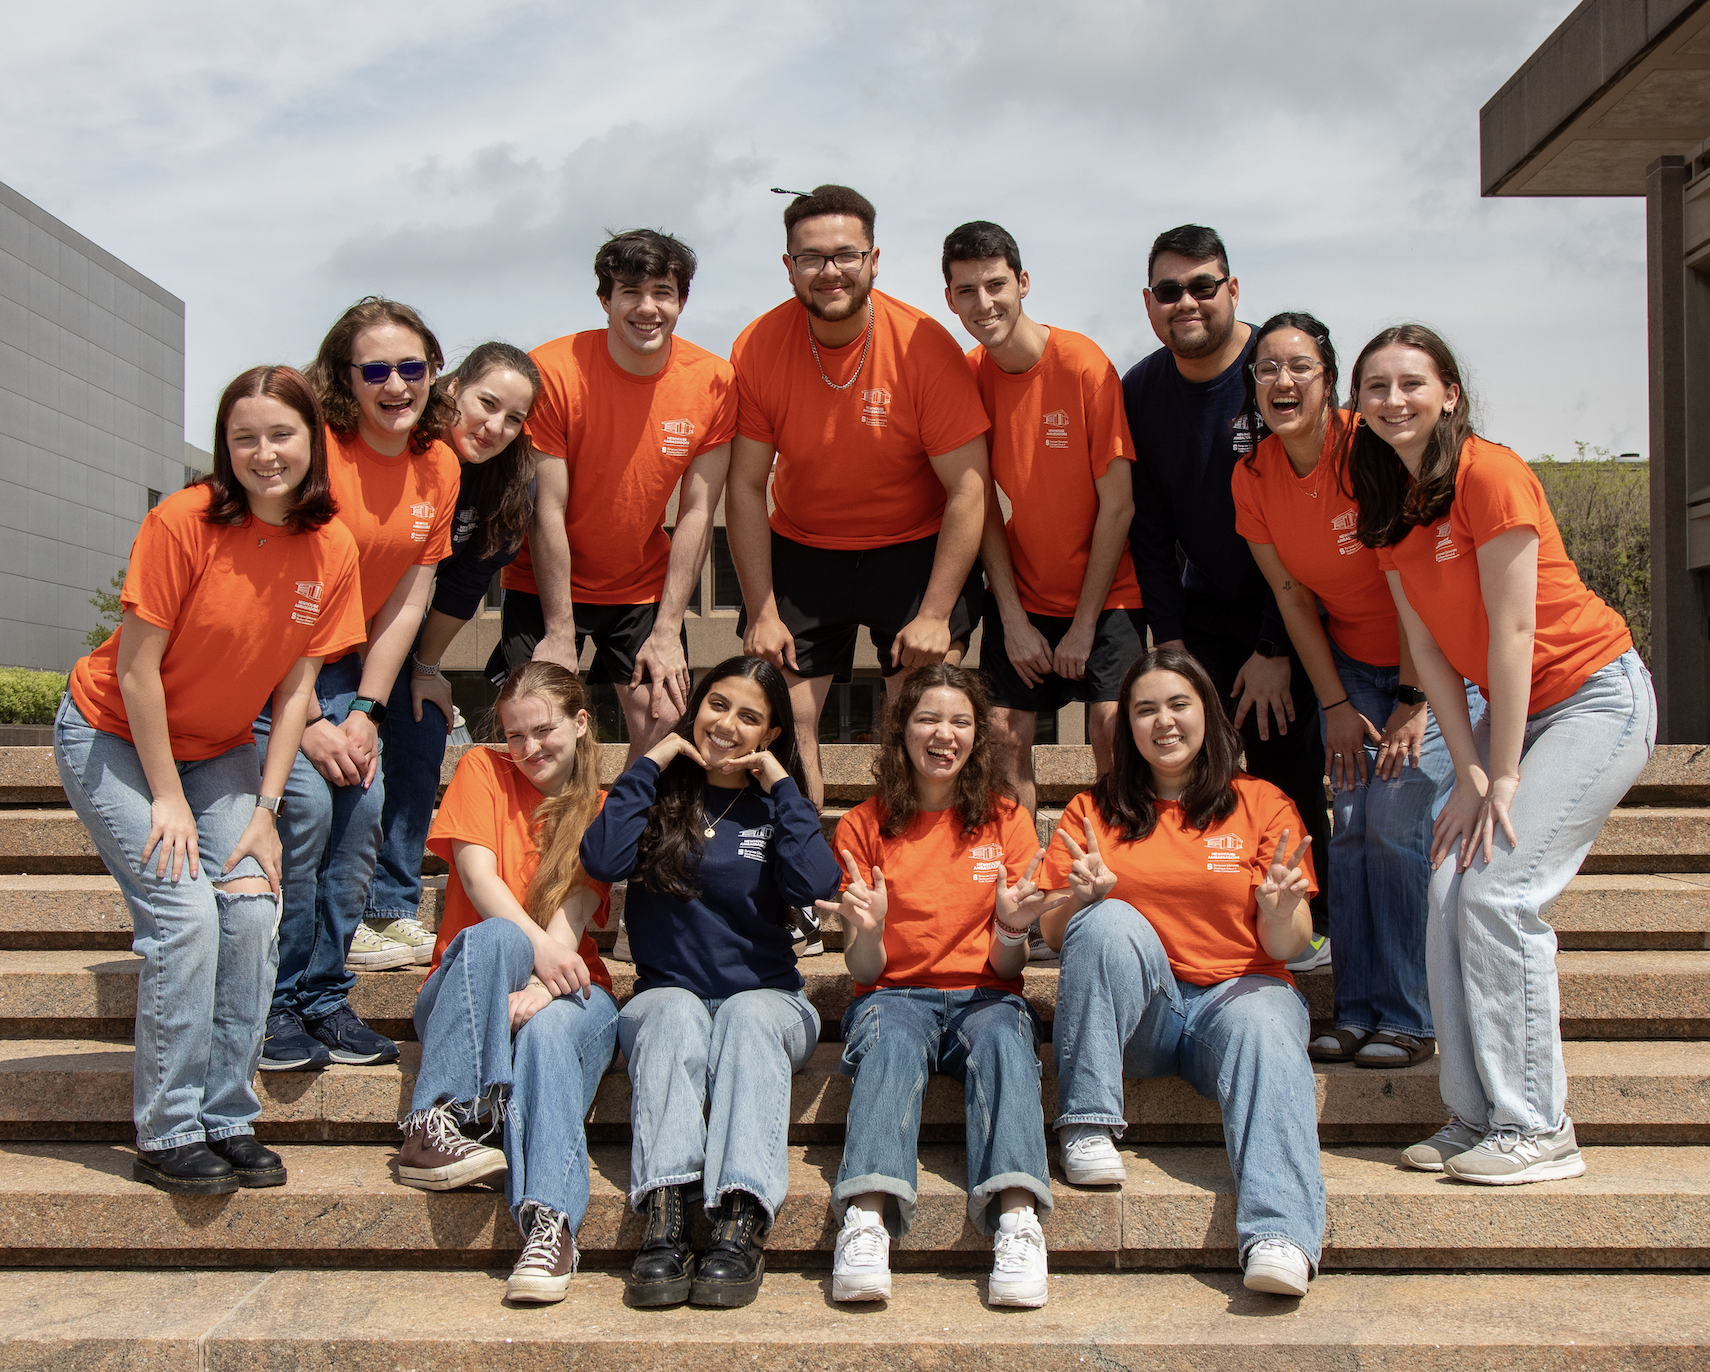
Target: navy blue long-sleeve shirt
x,y
462,579
1184,456
768,852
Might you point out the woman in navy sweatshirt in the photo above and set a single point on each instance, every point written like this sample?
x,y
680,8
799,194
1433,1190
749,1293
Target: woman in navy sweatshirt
x,y
718,840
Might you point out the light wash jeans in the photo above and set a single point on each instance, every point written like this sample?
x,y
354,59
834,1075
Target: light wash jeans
x,y
546,1078
331,835
988,1040
1492,957
1121,1012
1380,867
741,1052
411,757
208,957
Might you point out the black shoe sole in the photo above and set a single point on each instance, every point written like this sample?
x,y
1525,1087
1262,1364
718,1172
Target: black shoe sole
x,y
649,1295
183,1186
251,1178
729,1294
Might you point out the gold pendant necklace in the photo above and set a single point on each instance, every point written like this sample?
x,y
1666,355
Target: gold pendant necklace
x,y
711,831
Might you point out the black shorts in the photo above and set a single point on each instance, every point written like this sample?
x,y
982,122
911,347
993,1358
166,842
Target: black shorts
x,y
618,632
825,596
1118,638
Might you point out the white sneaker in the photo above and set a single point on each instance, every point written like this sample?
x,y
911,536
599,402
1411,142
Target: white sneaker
x,y
1278,1267
1018,1261
408,931
369,952
1089,1156
1453,1139
1315,955
620,946
861,1269
1508,1157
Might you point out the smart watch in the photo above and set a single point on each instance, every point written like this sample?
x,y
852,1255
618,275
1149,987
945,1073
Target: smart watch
x,y
375,711
275,805
1410,695
1266,648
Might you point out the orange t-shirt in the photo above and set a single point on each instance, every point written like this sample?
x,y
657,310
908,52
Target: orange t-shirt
x,y
853,468
1495,491
1311,523
242,601
491,803
941,891
1056,428
1195,887
627,441
399,508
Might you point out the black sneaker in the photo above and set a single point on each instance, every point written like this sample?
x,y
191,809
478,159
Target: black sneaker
x,y
288,1047
811,942
188,1170
349,1040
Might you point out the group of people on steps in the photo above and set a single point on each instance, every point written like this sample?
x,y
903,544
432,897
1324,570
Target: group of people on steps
x,y
1252,583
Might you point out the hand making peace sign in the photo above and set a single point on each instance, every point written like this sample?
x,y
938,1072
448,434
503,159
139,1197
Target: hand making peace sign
x,y
1283,880
1090,880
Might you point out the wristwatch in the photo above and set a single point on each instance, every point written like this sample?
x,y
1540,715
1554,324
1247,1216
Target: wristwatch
x,y
273,804
1265,648
375,711
1410,695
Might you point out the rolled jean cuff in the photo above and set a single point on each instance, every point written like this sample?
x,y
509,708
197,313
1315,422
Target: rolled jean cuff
x,y
637,1196
179,1140
753,1188
370,912
981,1197
1313,1252
234,1131
1115,1123
846,1191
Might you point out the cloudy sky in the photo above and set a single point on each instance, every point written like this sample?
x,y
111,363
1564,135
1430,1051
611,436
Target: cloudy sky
x,y
269,164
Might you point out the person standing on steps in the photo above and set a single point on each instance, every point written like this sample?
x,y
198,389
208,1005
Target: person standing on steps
x,y
718,841
1487,593
1177,919
492,389
1191,424
880,479
1384,755
516,1021
936,910
1062,611
627,415
237,588
396,488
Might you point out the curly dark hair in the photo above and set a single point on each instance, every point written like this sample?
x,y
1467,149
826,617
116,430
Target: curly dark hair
x,y
312,503
638,255
329,373
829,199
1126,799
979,785
503,504
671,844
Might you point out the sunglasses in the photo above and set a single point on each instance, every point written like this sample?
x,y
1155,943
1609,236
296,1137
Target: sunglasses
x,y
378,373
1200,288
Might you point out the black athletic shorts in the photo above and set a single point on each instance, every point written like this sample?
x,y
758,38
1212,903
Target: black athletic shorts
x,y
825,596
618,632
1118,638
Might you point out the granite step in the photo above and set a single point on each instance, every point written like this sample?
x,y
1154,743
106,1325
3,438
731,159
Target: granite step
x,y
1618,1092
1188,1322
1637,1207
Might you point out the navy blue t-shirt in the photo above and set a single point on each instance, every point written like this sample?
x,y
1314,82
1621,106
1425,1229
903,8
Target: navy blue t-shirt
x,y
463,578
767,853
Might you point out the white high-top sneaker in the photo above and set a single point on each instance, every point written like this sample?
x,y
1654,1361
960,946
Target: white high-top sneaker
x,y
861,1269
1018,1261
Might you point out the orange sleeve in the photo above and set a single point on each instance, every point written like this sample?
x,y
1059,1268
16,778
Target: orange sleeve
x,y
1108,439
449,473
339,627
1054,871
723,427
549,419
1278,813
858,831
1500,493
754,418
948,402
1020,843
468,813
1250,520
1385,559
160,573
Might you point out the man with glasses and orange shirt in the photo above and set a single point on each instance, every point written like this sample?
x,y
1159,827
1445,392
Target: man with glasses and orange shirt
x,y
880,485
1191,423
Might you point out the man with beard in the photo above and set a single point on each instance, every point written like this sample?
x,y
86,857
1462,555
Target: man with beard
x,y
880,486
1191,422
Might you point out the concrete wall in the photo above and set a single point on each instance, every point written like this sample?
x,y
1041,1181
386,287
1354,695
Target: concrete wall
x,y
91,420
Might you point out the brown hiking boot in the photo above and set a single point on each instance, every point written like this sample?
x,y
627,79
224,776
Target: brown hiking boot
x,y
542,1274
436,1157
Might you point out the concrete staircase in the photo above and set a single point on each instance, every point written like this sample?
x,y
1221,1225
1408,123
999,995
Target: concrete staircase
x,y
1603,1271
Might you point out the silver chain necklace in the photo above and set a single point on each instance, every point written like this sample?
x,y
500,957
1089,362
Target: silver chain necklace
x,y
813,343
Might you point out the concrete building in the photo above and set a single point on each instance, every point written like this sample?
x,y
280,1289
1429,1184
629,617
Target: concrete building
x,y
1617,102
91,426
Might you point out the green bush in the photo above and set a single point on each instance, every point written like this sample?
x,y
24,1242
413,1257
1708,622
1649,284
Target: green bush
x,y
1603,508
28,697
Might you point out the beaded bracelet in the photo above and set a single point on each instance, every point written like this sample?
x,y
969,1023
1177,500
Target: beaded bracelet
x,y
1003,936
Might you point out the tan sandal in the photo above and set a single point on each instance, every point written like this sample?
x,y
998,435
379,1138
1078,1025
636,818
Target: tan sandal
x,y
1348,1043
1418,1050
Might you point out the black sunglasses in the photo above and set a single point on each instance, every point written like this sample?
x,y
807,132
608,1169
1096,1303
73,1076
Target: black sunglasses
x,y
378,373
1200,288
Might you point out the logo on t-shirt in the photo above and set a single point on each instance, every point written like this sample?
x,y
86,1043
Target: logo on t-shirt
x,y
1057,429
308,607
677,432
421,522
1223,853
1241,437
876,407
988,862
1347,540
1446,549
751,844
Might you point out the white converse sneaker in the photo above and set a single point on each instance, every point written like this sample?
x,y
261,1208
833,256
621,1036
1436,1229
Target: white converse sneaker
x,y
407,930
370,953
1508,1157
1089,1156
1276,1266
542,1274
861,1268
1018,1261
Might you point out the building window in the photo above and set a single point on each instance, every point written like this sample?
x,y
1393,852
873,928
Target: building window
x,y
192,474
1045,727
853,712
495,592
153,498
726,588
694,605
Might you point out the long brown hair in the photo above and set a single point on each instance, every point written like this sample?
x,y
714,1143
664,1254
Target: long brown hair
x,y
329,373
312,503
981,782
1391,502
503,503
1339,430
1125,796
559,821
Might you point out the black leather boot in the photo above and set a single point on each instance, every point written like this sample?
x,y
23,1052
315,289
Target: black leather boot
x,y
664,1268
188,1170
254,1165
732,1267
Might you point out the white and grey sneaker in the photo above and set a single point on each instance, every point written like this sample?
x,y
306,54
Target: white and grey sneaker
x,y
369,952
1508,1157
810,941
861,1265
1276,1266
1454,1138
1315,955
1038,950
1018,1261
1089,1156
620,946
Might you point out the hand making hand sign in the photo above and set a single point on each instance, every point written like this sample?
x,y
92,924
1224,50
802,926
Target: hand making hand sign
x,y
862,910
1019,907
1281,898
1090,881
762,767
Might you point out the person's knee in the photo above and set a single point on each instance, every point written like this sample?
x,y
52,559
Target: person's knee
x,y
668,1016
244,886
1108,925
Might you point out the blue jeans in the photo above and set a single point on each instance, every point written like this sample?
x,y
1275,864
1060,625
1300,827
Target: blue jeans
x,y
1492,957
331,834
1380,867
546,1078
1122,1013
989,1041
208,956
741,1051
410,760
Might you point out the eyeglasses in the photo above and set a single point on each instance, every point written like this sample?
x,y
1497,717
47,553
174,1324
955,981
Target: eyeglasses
x,y
378,373
813,263
1267,373
1200,288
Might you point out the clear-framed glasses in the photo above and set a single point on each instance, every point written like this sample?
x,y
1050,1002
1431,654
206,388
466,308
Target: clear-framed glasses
x,y
813,263
378,373
1301,369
